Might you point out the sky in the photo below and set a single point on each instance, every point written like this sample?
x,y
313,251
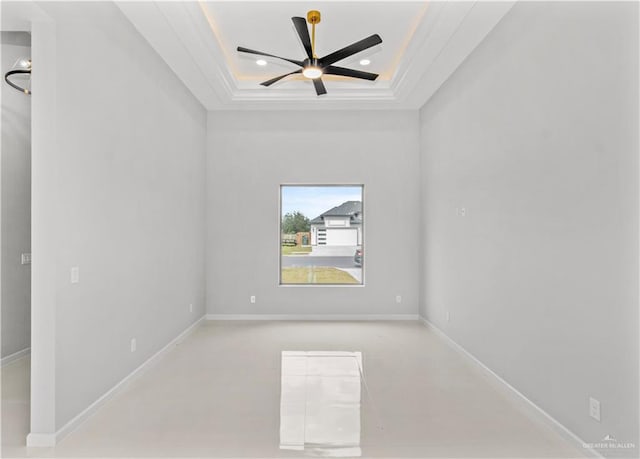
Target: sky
x,y
315,200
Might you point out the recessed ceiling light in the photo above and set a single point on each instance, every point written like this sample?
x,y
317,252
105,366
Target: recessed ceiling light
x,y
365,62
261,62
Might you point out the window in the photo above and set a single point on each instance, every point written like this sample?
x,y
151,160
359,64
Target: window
x,y
321,234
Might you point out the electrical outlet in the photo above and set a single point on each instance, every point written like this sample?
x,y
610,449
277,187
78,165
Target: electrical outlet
x,y
75,275
134,345
461,211
25,259
252,298
398,298
191,308
594,408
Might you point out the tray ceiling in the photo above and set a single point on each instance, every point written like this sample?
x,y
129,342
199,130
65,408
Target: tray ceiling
x,y
423,43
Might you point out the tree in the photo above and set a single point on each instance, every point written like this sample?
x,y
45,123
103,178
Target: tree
x,y
295,222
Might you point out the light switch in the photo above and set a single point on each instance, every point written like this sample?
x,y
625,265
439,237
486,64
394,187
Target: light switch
x,y
75,274
594,408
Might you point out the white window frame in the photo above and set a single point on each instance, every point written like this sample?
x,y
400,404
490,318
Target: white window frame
x,y
279,233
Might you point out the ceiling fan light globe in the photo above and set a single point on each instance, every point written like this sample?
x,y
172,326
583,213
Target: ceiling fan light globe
x,y
312,72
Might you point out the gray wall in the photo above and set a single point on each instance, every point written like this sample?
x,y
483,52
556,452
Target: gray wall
x,y
536,135
16,202
250,154
120,194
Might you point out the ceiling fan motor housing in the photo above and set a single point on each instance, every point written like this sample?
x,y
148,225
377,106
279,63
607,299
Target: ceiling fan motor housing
x,y
311,63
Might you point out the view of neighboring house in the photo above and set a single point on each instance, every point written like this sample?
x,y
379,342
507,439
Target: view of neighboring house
x,y
339,226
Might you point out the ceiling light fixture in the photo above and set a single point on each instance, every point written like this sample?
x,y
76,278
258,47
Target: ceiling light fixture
x,y
21,67
261,62
365,62
312,72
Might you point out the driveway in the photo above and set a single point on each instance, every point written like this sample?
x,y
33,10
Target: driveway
x,y
310,260
333,250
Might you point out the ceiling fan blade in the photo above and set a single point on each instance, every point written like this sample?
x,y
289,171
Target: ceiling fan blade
x,y
320,89
303,33
341,71
273,80
350,50
260,53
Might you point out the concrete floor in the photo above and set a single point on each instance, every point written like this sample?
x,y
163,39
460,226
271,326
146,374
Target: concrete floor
x,y
218,394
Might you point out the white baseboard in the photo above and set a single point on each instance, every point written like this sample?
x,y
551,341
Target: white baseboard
x,y
532,407
39,440
314,317
45,440
15,356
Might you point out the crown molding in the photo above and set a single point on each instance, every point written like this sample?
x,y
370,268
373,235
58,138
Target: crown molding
x,y
184,35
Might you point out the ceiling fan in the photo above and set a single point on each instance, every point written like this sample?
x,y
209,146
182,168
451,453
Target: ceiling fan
x,y
313,67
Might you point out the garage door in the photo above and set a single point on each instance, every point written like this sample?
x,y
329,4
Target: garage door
x,y
346,236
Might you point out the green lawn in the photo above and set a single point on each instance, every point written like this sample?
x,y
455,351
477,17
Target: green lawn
x,y
292,249
316,275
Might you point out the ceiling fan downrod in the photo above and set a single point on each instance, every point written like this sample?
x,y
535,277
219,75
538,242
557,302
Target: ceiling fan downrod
x,y
313,18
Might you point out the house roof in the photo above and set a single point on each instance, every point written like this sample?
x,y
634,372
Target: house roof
x,y
346,209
